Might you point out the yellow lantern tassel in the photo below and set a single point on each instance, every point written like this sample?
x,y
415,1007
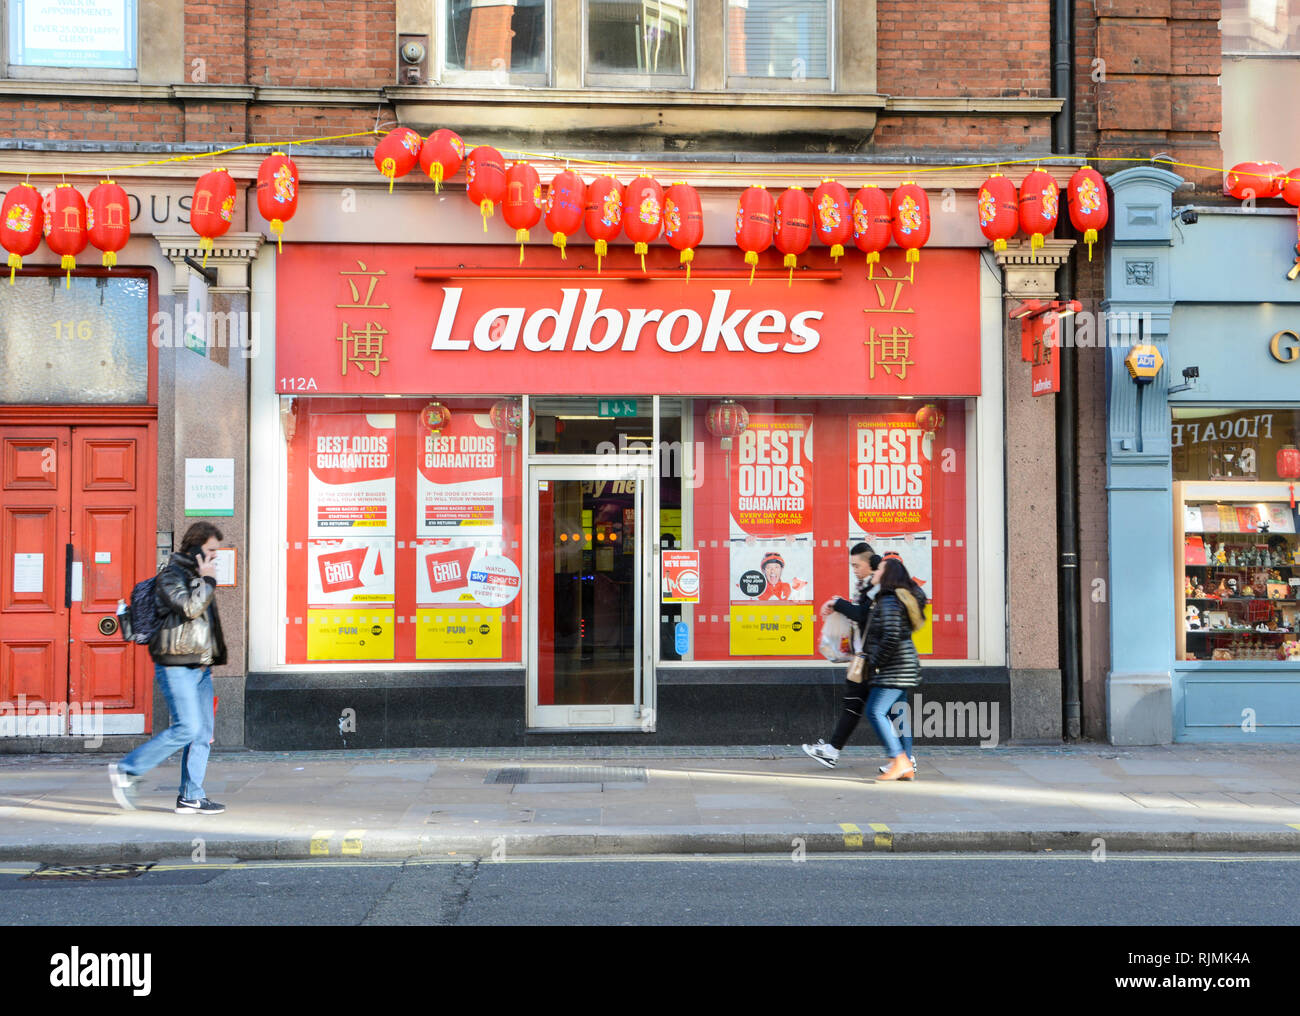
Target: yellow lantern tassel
x,y
560,240
109,260
68,264
277,227
913,256
1090,237
641,249
1035,241
205,245
872,258
790,263
435,174
751,259
521,238
15,262
389,169
999,244
688,256
486,208
602,248
837,252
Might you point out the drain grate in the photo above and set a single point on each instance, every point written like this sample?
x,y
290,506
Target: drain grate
x,y
88,872
568,774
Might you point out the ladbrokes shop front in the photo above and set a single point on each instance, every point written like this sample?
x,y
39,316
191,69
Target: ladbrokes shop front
x,y
499,504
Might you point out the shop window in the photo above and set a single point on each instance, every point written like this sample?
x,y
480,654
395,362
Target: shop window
x,y
768,523
1260,40
403,531
779,44
83,343
639,42
1234,482
496,42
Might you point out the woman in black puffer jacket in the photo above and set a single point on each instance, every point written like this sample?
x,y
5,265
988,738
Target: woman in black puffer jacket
x,y
898,611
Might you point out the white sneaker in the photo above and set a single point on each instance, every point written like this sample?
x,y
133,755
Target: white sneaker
x,y
823,753
910,758
123,785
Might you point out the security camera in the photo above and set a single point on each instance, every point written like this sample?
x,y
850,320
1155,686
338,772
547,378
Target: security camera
x,y
1191,372
412,52
1188,217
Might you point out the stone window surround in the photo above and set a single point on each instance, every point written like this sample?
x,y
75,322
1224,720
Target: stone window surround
x,y
160,50
852,55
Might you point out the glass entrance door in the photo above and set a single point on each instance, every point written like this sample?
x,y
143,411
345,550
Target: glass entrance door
x,y
588,665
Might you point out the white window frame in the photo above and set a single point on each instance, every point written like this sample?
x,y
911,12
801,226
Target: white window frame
x,y
746,83
451,76
658,82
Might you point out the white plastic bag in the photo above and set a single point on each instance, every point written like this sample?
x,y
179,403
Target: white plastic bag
x,y
836,642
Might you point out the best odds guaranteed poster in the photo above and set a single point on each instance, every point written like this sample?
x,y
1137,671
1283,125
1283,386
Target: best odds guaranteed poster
x,y
351,498
463,577
771,560
891,490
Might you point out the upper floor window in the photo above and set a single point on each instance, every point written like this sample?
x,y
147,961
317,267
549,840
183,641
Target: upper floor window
x,y
641,41
785,41
496,42
1255,34
1261,26
72,33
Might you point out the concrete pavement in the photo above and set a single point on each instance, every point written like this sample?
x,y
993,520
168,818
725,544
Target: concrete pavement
x,y
590,801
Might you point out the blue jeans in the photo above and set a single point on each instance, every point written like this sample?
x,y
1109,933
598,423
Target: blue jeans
x,y
879,702
188,691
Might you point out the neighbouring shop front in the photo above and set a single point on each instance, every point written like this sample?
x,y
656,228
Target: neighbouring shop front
x,y
503,505
1203,471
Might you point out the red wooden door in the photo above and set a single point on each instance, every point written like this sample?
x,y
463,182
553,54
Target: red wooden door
x,y
34,527
74,540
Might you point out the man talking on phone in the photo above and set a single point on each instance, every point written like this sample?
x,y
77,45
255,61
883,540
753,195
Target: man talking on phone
x,y
187,645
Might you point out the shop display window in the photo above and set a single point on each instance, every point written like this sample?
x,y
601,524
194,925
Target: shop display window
x,y
771,520
403,530
1236,528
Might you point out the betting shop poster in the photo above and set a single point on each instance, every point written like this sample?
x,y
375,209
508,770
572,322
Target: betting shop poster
x,y
459,479
891,497
462,587
771,560
351,497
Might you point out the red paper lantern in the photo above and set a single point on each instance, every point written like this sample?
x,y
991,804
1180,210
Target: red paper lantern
x,y
565,206
603,214
507,418
999,213
522,207
683,222
441,155
832,219
108,220
643,213
435,416
872,224
277,192
929,418
1290,192
397,154
910,210
1040,206
1089,207
1248,180
485,169
22,219
793,231
726,420
754,225
1288,466
65,226
213,208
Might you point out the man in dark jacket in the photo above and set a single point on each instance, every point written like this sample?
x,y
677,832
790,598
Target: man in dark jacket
x,y
186,646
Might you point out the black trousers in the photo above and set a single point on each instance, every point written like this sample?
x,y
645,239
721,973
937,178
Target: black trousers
x,y
855,701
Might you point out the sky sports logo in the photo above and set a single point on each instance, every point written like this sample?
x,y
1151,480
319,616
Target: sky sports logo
x,y
75,969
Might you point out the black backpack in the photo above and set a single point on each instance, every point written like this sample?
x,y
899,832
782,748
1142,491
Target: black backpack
x,y
141,619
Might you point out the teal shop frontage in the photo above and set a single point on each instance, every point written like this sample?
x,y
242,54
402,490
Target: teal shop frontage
x,y
1201,468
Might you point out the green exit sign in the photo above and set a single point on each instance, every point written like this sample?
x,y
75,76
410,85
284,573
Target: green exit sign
x,y
617,407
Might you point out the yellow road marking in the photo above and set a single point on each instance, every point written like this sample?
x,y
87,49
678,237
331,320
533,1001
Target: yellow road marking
x,y
884,838
320,842
1294,825
352,841
852,834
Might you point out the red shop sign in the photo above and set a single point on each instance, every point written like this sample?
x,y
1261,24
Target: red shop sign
x,y
356,320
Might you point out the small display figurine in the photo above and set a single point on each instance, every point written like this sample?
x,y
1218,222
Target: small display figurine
x,y
1220,556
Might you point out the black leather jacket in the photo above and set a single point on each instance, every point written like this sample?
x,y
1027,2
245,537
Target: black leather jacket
x,y
190,634
889,647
